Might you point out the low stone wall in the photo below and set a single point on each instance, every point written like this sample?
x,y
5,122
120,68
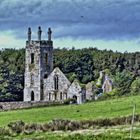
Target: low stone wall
x,y
4,106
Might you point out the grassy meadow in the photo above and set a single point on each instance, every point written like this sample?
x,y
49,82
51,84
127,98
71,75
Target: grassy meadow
x,y
88,111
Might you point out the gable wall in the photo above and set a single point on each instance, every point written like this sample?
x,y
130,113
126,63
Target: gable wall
x,y
63,85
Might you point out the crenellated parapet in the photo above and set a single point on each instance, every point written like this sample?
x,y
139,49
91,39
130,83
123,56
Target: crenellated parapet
x,y
39,41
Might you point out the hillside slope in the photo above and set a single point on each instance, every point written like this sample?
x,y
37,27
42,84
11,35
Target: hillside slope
x,y
89,111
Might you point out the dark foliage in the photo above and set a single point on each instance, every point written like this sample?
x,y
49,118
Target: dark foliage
x,y
83,64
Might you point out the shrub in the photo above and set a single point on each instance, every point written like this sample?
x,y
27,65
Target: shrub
x,y
17,127
31,128
64,125
4,132
45,127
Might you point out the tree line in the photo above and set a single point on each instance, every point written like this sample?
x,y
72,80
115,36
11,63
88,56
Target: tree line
x,y
81,64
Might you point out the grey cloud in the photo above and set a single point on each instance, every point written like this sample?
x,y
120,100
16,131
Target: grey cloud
x,y
95,19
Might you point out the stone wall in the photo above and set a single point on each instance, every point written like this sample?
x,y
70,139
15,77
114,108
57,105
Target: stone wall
x,y
76,91
38,64
50,93
89,91
5,106
107,85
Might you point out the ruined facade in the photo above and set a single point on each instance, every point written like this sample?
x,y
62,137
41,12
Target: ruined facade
x,y
42,82
107,84
76,92
56,86
89,91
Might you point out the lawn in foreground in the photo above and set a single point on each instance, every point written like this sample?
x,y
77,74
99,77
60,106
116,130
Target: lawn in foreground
x,y
94,110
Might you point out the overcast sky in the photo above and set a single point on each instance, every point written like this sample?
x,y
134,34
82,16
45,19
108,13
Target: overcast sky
x,y
105,24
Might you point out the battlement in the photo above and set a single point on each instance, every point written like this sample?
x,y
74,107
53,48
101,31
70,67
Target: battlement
x,y
39,42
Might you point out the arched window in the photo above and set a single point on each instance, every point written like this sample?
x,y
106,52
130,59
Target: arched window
x,y
56,82
49,96
65,95
55,96
32,79
32,96
45,75
61,96
75,99
46,58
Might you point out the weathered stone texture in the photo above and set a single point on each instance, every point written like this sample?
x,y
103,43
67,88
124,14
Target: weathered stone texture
x,y
50,93
4,106
89,91
38,64
75,91
107,85
41,81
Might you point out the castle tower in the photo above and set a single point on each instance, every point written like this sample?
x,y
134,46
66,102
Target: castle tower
x,y
38,65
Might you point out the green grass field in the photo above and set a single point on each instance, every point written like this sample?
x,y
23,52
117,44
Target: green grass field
x,y
94,110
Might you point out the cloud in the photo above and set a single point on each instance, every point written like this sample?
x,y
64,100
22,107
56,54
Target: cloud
x,y
93,19
8,40
120,46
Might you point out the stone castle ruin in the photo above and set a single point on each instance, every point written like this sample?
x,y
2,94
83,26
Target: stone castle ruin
x,y
45,83
42,81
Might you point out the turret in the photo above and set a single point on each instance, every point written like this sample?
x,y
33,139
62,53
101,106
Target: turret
x,y
39,33
49,34
29,34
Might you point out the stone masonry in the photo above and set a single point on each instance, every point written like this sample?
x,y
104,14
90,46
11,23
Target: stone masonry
x,y
38,64
56,86
107,85
75,91
89,91
43,83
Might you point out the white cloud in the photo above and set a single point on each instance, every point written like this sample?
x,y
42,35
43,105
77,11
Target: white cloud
x,y
121,46
8,40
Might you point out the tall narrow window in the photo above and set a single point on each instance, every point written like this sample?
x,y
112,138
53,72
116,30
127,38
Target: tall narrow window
x,y
32,58
55,96
49,96
61,96
65,95
56,82
32,79
46,58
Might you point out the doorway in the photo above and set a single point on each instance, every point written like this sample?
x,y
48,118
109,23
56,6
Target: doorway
x,y
74,99
32,96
